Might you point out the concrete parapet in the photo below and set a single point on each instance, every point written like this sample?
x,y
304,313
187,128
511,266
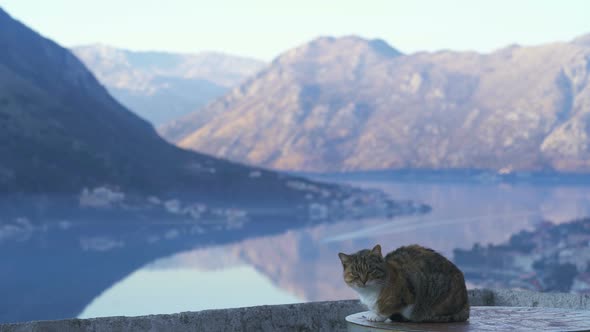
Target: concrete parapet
x,y
314,316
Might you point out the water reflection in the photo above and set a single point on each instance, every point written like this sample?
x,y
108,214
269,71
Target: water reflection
x,y
119,268
54,270
163,290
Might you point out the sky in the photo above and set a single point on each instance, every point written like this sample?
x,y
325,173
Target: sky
x,y
265,28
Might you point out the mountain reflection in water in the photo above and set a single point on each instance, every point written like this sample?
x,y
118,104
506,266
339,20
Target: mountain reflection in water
x,y
123,268
157,290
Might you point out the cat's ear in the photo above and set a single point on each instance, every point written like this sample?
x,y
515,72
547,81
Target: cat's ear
x,y
376,250
344,258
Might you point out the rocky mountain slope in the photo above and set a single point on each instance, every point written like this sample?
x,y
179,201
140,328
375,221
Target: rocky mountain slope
x,y
161,86
62,133
341,104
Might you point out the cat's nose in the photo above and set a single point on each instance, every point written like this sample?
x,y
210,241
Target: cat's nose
x,y
364,280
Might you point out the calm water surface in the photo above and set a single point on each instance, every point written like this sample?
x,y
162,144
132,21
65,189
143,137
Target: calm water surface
x,y
118,269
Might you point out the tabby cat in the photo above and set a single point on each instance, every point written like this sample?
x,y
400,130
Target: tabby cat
x,y
412,283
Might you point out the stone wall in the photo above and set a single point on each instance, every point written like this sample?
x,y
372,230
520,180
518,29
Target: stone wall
x,y
315,316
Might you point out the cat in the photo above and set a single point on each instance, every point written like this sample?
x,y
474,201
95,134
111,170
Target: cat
x,y
412,283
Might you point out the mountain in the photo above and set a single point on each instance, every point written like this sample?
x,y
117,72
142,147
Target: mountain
x,y
347,104
160,86
63,134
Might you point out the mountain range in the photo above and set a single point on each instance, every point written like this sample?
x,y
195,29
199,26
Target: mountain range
x,y
62,133
351,104
161,86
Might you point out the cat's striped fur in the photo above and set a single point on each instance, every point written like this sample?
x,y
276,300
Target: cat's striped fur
x,y
411,283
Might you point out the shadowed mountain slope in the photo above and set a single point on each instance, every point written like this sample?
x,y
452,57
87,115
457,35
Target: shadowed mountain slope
x,y
62,132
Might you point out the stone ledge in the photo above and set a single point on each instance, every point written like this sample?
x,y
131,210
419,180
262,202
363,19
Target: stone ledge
x,y
314,316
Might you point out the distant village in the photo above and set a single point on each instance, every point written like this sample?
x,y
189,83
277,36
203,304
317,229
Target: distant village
x,y
552,258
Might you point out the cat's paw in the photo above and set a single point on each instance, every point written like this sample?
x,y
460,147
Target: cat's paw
x,y
373,317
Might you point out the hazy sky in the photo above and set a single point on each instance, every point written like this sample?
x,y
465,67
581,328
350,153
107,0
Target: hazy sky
x,y
265,28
